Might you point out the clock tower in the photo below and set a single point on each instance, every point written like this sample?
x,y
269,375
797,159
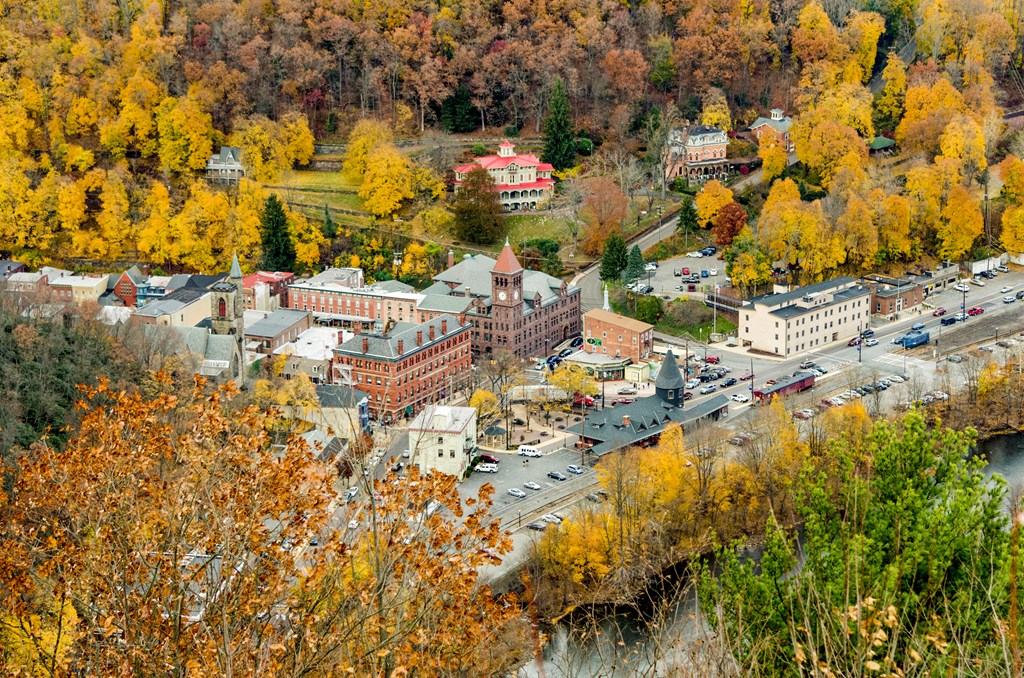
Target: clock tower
x,y
507,302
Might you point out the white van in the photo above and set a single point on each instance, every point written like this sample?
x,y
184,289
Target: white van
x,y
487,468
529,451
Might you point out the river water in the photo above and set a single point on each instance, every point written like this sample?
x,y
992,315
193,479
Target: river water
x,y
621,643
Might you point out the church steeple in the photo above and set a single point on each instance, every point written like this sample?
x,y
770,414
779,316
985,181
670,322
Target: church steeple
x,y
236,270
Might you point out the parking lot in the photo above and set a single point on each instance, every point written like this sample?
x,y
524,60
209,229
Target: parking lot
x,y
664,282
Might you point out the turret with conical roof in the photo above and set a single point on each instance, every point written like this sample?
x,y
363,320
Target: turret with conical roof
x,y
669,385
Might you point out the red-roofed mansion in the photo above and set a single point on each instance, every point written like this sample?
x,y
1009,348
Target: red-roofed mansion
x,y
521,179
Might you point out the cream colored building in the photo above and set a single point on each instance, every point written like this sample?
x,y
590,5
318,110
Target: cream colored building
x,y
443,438
805,319
77,288
185,307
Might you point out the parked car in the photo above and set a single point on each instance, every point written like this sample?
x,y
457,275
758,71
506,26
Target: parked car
x,y
529,451
486,468
961,287
710,388
988,274
731,381
714,272
551,518
516,492
975,310
960,316
986,349
1009,299
939,311
593,497
978,281
627,390
807,364
854,342
651,266
540,527
577,342
1019,295
917,326
686,271
692,383
489,459
704,273
687,395
530,485
565,352
1005,288
951,320
867,333
871,342
713,359
740,397
623,401
746,376
694,255
1002,269
555,475
573,468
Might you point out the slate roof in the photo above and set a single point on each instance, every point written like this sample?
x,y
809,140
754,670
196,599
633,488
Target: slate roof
x,y
782,125
276,323
386,346
338,395
797,294
8,267
392,286
698,130
618,320
648,417
444,303
507,262
473,273
669,376
171,302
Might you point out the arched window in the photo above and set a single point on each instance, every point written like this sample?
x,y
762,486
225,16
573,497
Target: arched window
x,y
222,308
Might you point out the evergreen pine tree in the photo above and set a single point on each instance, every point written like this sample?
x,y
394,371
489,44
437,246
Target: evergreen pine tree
x,y
278,250
559,140
635,264
477,208
687,218
457,112
329,230
613,259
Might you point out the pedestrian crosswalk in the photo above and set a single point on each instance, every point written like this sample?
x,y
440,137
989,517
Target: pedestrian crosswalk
x,y
897,359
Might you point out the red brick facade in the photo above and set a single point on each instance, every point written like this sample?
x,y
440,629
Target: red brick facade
x,y
127,290
408,369
617,336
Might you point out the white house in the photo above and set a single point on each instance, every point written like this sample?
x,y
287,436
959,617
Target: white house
x,y
443,438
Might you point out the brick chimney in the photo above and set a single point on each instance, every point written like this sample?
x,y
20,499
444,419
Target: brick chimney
x,y
419,337
462,320
444,327
366,345
451,258
401,346
341,337
625,420
431,329
357,328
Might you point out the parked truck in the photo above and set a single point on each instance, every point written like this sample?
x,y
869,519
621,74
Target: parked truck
x,y
913,339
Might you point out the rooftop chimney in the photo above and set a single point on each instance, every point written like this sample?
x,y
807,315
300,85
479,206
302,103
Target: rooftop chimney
x,y
401,345
431,328
444,327
625,420
366,345
451,258
341,336
419,337
357,328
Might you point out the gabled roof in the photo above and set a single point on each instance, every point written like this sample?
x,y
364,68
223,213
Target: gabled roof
x,y
507,262
135,275
618,320
338,395
778,125
386,346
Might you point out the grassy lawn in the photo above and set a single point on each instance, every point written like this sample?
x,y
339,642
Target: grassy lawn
x,y
699,332
536,225
333,181
680,317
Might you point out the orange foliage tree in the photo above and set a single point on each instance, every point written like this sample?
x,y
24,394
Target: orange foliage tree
x,y
604,208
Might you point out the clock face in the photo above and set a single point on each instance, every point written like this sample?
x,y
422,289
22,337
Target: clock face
x,y
501,295
515,294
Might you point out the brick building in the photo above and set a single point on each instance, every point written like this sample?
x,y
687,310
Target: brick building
x,y
277,329
697,152
778,126
525,312
892,296
338,297
408,367
617,336
521,179
266,290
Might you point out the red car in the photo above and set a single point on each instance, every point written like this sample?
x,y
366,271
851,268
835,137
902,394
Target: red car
x,y
939,311
712,360
687,395
686,271
854,342
746,376
489,459
585,400
623,401
975,310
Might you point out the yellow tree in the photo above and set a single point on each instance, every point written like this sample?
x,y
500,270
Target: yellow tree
x,y
1013,229
962,140
776,226
365,136
710,201
199,231
825,145
73,211
1011,171
573,380
186,135
298,139
960,225
815,37
773,158
893,215
716,109
857,227
387,181
862,31
307,238
155,235
117,231
262,146
927,188
927,111
889,104
244,224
